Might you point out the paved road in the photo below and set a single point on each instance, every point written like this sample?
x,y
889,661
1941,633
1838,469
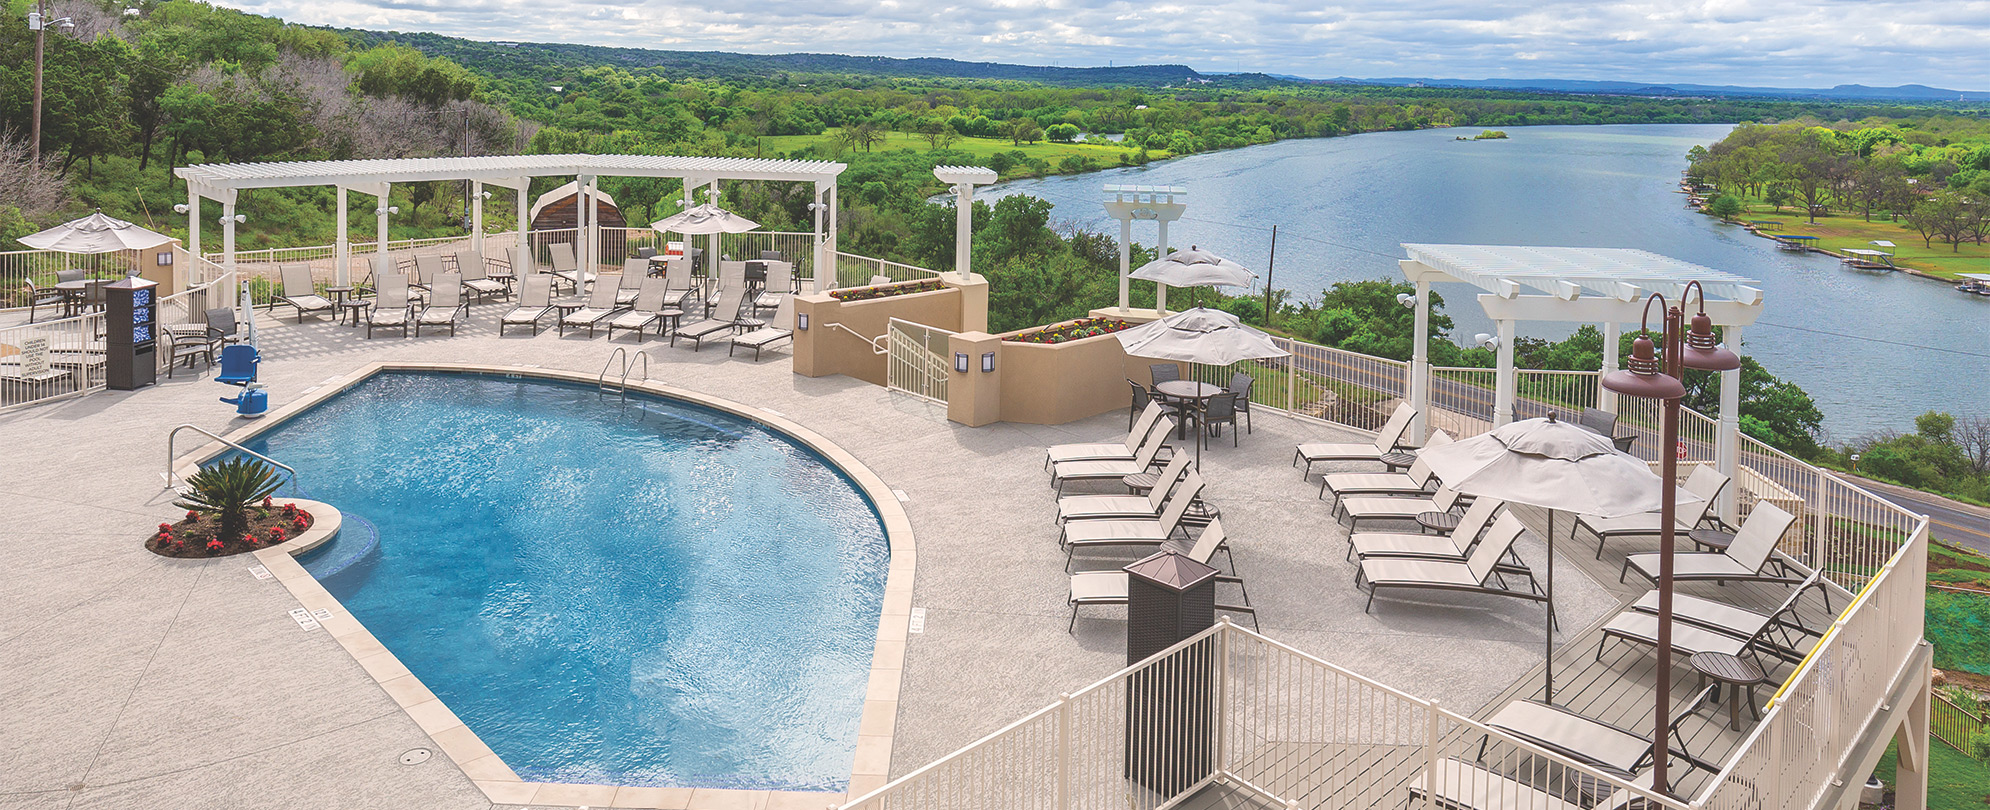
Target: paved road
x,y
1953,521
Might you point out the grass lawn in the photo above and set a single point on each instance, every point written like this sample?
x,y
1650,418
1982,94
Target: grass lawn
x,y
1104,153
1838,232
1955,781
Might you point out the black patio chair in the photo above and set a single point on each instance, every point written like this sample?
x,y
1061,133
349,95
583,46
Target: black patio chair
x,y
1604,423
38,298
1164,372
1140,399
1240,384
1218,411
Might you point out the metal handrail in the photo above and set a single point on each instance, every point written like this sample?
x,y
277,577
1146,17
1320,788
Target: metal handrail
x,y
170,455
628,367
875,348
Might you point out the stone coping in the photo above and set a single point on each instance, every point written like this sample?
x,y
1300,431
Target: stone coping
x,y
871,766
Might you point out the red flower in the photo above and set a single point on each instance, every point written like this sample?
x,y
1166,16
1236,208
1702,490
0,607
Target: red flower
x,y
269,502
165,527
215,544
192,515
179,545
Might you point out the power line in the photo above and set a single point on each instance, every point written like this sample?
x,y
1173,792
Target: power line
x,y
1290,235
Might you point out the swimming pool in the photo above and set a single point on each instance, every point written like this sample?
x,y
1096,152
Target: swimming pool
x,y
645,593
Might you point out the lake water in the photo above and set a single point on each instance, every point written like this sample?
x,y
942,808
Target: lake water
x,y
1343,207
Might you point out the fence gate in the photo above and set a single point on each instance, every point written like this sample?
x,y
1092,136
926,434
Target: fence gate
x,y
916,361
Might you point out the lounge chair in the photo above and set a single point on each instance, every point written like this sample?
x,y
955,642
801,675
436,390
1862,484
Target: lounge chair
x,y
391,305
1110,587
648,309
427,267
779,285
523,265
1386,441
1704,625
1415,482
1132,531
1619,751
445,303
1475,574
678,284
1456,545
1462,785
299,292
1753,549
631,280
724,319
564,267
1116,507
1705,483
535,302
782,327
1065,472
477,276
1124,448
732,276
600,305
1385,508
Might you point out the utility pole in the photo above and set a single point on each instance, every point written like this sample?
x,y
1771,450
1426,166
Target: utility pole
x,y
1267,275
39,22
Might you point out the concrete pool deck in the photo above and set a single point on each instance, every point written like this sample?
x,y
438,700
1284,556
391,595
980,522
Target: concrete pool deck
x,y
134,680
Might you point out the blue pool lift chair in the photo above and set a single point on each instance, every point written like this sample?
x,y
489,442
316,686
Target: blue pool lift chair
x,y
238,364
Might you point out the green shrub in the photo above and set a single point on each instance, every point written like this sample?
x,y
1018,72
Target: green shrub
x,y
228,490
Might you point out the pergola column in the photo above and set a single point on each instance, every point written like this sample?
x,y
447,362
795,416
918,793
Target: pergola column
x,y
822,260
580,227
523,231
1727,450
835,255
476,215
1606,399
593,229
1420,366
383,263
1161,290
228,242
193,227
712,252
341,244
1503,385
1125,264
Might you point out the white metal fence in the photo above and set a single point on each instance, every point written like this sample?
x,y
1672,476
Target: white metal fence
x,y
53,359
862,271
916,361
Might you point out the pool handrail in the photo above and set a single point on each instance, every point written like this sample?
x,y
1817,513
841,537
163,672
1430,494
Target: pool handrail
x,y
175,434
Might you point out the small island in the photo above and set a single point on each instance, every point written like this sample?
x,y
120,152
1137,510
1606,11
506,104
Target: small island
x,y
1484,135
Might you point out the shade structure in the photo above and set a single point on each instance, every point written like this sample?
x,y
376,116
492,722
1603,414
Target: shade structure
x,y
705,218
1195,267
1555,465
1207,336
95,233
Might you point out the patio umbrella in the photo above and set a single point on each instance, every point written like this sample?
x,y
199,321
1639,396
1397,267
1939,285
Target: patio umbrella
x,y
1211,337
1194,267
95,233
705,218
1555,465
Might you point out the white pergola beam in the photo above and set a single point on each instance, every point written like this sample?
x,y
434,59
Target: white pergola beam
x,y
1604,310
506,170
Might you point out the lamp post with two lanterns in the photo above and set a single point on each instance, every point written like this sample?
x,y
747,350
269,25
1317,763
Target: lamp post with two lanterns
x,y
1657,371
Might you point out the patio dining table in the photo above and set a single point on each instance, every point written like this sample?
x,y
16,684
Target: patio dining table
x,y
1187,392
75,293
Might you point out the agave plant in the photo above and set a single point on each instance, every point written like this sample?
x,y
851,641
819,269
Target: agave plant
x,y
228,490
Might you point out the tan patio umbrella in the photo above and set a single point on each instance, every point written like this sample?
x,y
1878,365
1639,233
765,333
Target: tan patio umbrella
x,y
1555,465
704,218
95,233
1194,267
1211,337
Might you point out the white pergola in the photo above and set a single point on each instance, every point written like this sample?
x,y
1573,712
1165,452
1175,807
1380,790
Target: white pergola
x,y
1606,286
220,182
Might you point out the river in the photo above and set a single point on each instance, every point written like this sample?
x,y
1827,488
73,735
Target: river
x,y
1344,205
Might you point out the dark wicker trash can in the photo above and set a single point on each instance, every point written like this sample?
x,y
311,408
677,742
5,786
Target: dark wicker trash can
x,y
1170,727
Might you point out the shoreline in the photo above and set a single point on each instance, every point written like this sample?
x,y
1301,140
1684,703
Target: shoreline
x,y
1699,205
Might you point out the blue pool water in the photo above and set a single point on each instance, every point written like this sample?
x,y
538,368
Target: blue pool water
x,y
649,593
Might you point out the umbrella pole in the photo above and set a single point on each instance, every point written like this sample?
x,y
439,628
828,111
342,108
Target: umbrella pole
x,y
1550,680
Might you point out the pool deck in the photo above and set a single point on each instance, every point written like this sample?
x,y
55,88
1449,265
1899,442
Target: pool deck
x,y
134,680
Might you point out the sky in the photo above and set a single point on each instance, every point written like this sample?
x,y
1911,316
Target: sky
x,y
1784,43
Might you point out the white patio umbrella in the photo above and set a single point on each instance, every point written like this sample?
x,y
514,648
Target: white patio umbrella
x,y
95,233
1194,267
1555,465
705,218
1211,337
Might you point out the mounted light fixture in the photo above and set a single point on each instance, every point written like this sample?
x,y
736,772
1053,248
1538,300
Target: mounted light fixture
x,y
987,362
385,210
960,362
801,321
1407,300
1486,340
180,208
237,219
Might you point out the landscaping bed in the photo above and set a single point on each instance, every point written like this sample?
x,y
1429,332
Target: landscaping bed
x,y
1075,330
196,535
887,290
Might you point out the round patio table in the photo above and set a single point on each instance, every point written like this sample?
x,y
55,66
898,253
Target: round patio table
x,y
74,293
1436,521
1711,539
1397,461
1186,391
350,308
1737,676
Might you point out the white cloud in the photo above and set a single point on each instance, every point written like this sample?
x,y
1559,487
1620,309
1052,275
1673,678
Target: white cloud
x,y
1748,42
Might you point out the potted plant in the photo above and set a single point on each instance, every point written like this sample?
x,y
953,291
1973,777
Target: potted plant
x,y
227,491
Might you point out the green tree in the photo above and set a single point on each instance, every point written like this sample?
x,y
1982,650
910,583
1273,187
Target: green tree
x,y
1024,131
1061,133
1726,206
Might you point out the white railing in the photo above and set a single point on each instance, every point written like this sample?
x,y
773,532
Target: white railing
x,y
17,267
862,271
917,362
1229,705
74,347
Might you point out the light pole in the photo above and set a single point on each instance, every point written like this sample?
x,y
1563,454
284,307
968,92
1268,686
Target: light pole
x,y
1658,375
39,22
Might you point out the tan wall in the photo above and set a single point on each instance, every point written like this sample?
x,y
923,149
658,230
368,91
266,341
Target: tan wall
x,y
821,350
1050,384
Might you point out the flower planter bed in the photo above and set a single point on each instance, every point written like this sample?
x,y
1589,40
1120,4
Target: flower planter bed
x,y
1075,330
194,536
887,290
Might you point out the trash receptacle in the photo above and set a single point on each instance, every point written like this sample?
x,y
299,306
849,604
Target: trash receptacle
x,y
1170,723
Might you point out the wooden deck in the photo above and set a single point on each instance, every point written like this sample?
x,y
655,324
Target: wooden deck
x,y
1616,686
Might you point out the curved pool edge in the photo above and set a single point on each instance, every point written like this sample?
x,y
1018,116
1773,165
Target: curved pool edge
x,y
871,765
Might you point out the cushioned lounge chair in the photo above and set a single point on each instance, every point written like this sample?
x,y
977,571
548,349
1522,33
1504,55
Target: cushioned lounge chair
x,y
1385,508
1415,482
631,280
600,305
1133,531
1453,545
1704,625
779,285
1705,483
678,284
391,305
1744,560
1065,472
300,292
427,267
477,275
1104,450
445,303
646,312
1114,507
535,302
723,320
1110,587
780,328
1386,441
1476,574
565,269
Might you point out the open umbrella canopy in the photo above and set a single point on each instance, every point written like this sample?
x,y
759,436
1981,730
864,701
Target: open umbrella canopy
x,y
705,218
1195,267
95,233
1207,336
1552,464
